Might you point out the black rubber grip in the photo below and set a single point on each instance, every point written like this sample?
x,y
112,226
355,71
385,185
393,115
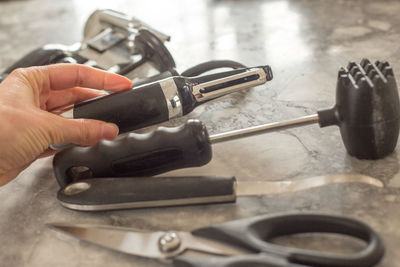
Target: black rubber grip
x,y
132,155
124,193
130,110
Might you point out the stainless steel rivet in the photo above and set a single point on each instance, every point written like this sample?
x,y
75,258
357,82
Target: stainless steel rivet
x,y
76,188
169,242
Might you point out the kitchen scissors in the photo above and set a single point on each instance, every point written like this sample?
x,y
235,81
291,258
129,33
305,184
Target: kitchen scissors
x,y
238,243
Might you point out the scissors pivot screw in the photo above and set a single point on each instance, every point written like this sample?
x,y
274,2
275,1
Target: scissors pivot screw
x,y
169,242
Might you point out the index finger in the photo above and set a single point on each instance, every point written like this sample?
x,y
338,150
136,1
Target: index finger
x,y
62,76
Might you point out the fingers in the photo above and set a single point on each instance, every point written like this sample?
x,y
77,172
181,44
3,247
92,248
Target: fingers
x,y
83,132
63,76
71,96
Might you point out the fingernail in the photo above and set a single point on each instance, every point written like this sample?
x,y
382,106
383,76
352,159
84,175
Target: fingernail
x,y
118,82
109,130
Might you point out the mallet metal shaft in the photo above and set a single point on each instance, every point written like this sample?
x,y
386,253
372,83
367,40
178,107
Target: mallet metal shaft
x,y
264,128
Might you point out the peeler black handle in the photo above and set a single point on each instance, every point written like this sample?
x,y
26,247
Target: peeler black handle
x,y
163,100
130,110
135,155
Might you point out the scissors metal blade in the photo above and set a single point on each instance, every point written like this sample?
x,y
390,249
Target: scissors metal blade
x,y
143,244
288,186
146,244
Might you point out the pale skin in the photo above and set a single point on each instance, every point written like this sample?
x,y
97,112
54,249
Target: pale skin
x,y
29,124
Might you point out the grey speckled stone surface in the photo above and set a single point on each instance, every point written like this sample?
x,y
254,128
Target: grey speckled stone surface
x,y
304,41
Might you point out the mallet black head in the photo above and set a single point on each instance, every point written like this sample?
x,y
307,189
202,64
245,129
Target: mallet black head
x,y
367,109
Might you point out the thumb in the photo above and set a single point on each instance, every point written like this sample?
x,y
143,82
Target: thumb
x,y
86,132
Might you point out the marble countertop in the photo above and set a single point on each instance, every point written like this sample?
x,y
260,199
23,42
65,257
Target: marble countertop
x,y
305,42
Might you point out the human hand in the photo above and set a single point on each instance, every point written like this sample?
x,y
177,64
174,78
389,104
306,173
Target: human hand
x,y
29,126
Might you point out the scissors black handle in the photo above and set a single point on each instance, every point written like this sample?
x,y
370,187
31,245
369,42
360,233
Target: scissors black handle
x,y
254,233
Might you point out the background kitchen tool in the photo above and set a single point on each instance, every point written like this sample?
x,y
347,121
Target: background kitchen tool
x,y
366,111
245,241
113,41
144,192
